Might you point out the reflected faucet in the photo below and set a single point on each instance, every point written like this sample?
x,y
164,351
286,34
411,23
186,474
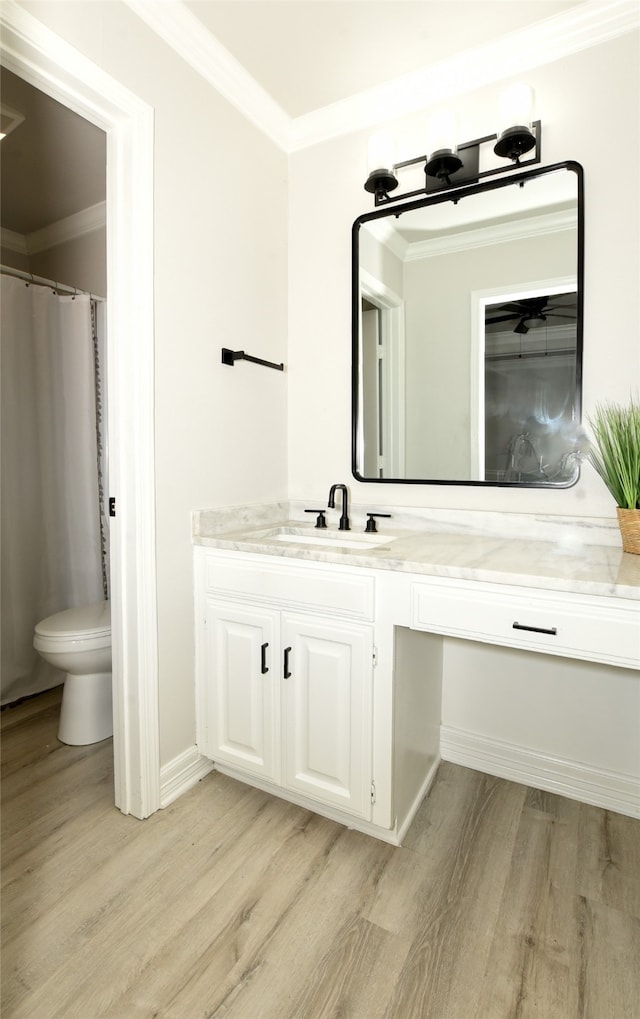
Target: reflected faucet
x,y
344,519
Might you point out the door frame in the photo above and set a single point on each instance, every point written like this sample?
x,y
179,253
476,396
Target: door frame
x,y
392,340
36,54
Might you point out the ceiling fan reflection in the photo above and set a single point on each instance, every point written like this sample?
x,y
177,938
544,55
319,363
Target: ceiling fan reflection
x,y
532,312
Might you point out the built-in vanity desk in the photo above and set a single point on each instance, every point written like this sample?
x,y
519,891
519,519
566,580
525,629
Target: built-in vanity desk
x,y
320,655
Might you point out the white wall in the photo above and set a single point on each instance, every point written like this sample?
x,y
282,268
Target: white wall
x,y
220,280
577,711
550,722
585,102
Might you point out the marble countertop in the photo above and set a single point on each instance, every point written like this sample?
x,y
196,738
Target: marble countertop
x,y
565,563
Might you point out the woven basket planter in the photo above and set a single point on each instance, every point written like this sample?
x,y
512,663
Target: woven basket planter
x,y
629,521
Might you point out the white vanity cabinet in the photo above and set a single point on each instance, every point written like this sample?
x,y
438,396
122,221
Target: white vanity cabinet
x,y
323,681
284,662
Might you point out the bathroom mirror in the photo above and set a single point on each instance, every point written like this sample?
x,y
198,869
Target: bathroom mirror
x,y
467,334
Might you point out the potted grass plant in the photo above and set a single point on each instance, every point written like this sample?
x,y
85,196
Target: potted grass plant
x,y
615,454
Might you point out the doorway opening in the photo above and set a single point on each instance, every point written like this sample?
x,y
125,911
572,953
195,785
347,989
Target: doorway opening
x,y
40,57
525,397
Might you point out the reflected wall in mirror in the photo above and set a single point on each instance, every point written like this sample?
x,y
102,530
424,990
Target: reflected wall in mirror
x,y
467,334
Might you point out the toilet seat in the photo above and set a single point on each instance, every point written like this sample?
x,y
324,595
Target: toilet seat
x,y
82,623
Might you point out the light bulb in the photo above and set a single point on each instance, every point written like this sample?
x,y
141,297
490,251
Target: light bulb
x,y
380,152
442,132
516,106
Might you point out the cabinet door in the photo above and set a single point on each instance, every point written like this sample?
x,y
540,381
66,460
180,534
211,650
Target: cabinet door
x,y
242,673
327,711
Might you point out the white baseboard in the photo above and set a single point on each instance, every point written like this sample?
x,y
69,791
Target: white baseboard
x,y
608,789
404,824
180,774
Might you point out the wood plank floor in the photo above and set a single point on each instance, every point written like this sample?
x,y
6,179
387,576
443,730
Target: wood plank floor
x,y
504,902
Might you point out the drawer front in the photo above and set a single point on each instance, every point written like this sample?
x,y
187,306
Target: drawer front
x,y
575,626
341,594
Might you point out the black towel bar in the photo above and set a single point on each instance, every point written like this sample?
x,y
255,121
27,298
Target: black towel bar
x,y
231,356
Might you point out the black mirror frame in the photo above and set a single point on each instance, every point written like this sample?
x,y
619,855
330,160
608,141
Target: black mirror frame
x,y
454,195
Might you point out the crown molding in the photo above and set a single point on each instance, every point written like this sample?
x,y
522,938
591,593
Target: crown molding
x,y
185,34
64,230
581,27
68,229
12,241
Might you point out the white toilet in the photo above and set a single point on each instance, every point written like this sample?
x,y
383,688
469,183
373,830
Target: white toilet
x,y
78,641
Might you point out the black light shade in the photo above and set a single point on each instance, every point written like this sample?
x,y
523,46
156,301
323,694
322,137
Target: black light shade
x,y
514,142
442,164
381,182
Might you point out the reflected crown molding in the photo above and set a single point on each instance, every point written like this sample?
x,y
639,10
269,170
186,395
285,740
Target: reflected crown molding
x,y
583,26
533,226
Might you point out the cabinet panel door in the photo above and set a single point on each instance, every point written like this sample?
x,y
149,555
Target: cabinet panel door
x,y
243,713
327,711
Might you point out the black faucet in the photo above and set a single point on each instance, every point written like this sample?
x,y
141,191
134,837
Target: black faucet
x,y
344,519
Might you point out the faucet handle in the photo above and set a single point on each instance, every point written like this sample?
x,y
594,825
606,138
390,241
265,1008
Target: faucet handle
x,y
320,522
371,524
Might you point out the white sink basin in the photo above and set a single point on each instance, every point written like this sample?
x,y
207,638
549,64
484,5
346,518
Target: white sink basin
x,y
335,539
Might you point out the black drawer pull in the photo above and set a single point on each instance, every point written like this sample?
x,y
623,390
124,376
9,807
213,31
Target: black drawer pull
x,y
263,659
287,652
552,631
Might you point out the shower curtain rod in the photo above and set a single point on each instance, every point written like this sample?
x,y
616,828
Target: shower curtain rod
x,y
40,281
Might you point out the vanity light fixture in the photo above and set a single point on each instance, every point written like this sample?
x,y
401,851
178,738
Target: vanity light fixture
x,y
449,165
380,153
